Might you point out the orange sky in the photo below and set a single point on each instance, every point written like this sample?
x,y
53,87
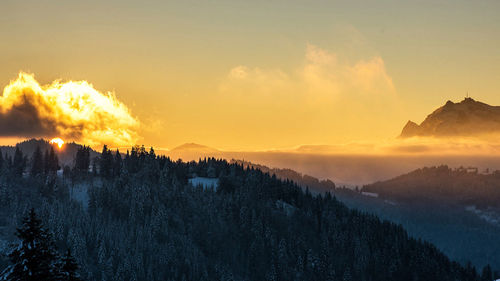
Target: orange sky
x,y
253,76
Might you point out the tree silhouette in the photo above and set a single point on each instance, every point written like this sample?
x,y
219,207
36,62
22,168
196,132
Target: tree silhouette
x,y
53,161
1,160
19,163
69,268
35,257
106,163
37,162
82,160
117,164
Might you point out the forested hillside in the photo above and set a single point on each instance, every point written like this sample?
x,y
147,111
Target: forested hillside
x,y
140,219
462,232
443,184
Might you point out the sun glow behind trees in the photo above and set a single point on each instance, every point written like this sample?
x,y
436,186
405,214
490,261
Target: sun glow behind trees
x,y
58,141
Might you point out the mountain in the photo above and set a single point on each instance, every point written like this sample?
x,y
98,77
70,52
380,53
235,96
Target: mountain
x,y
468,118
193,147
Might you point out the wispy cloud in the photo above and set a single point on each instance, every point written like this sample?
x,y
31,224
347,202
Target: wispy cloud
x,y
323,74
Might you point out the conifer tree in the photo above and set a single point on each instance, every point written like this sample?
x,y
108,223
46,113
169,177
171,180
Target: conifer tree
x,y
82,160
117,164
106,162
487,274
69,268
35,257
53,161
1,160
8,161
46,162
37,162
18,163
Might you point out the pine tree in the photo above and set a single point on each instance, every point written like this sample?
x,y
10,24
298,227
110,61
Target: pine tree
x,y
487,274
82,160
18,163
35,257
46,162
8,161
37,162
1,160
117,164
106,162
53,161
69,268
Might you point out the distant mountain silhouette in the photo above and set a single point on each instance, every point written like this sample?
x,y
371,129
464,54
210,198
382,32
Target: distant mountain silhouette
x,y
442,184
468,118
193,147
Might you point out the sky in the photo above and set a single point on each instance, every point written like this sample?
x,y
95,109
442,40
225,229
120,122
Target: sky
x,y
257,75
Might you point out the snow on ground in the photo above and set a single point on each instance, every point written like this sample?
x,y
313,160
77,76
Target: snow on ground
x,y
487,215
390,202
79,193
207,183
285,207
369,194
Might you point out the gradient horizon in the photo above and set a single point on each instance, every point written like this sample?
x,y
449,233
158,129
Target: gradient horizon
x,y
253,76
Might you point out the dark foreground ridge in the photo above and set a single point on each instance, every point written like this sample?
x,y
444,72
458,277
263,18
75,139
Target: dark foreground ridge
x,y
139,217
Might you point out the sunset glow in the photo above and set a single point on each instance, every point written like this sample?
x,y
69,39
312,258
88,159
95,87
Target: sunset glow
x,y
74,110
57,141
336,76
250,140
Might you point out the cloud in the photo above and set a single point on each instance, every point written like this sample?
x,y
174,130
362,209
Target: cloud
x,y
415,146
71,110
324,74
261,81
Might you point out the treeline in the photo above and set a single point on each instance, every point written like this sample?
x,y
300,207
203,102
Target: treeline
x,y
441,183
144,221
284,174
14,167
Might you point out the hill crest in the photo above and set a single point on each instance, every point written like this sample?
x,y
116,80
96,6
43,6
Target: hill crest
x,y
191,147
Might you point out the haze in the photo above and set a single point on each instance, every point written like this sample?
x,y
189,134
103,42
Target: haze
x,y
241,75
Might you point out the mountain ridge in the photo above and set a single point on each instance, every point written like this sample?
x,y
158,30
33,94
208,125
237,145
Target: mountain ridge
x,y
193,147
468,118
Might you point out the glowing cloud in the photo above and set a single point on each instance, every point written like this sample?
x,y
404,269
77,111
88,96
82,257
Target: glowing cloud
x,y
322,76
72,110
